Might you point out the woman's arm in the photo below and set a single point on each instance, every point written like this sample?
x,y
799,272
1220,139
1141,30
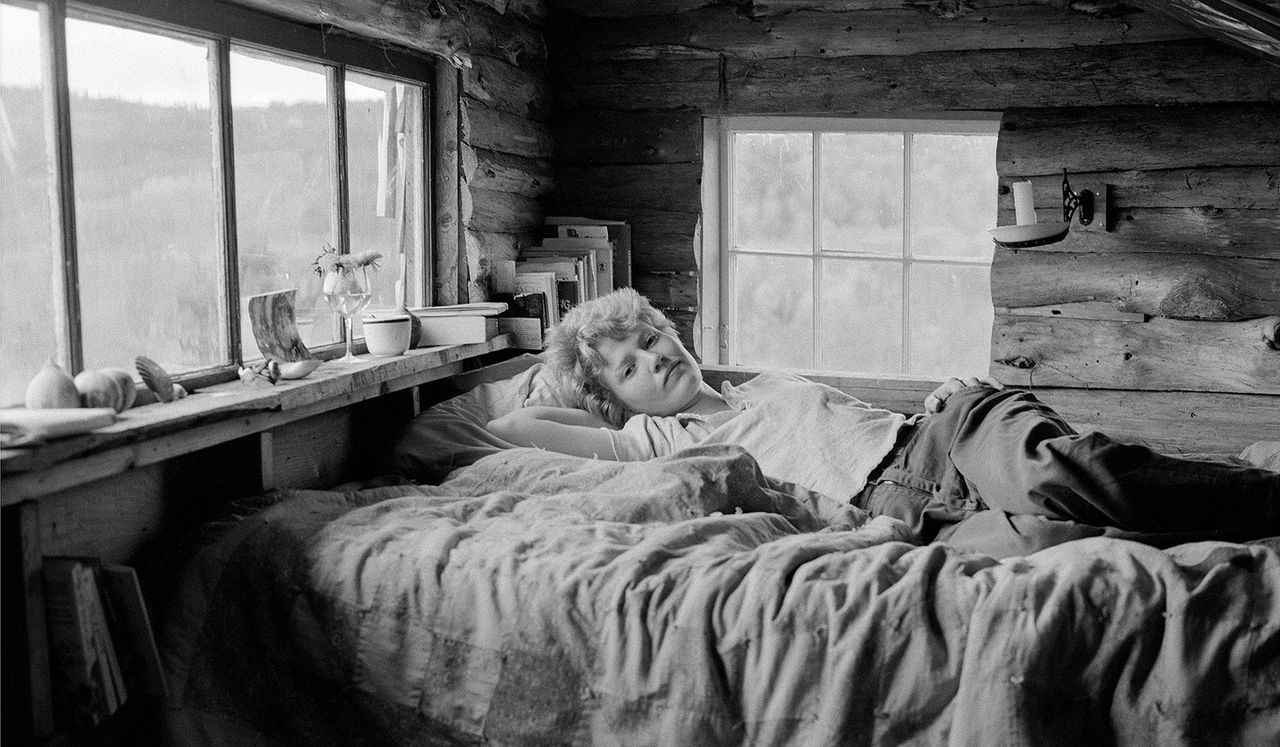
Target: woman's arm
x,y
562,429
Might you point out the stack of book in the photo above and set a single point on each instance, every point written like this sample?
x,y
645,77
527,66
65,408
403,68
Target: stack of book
x,y
458,324
579,259
100,638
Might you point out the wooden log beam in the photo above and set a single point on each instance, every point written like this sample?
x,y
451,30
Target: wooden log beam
x,y
1231,187
445,185
1044,141
440,28
1207,230
673,187
501,36
500,85
961,80
491,129
1207,356
533,11
614,137
668,289
499,246
502,212
1174,286
505,172
709,32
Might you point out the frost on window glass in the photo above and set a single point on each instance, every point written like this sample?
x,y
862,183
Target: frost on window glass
x,y
773,192
861,188
775,311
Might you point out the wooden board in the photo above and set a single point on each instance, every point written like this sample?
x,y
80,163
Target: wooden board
x,y
1044,141
492,129
672,187
500,85
1180,286
956,80
445,184
502,212
1224,188
709,32
506,172
614,137
1161,354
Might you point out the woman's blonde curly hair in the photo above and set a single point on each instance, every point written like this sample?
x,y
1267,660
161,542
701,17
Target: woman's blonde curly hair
x,y
571,347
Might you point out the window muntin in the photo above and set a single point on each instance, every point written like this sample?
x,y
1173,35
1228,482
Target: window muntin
x,y
214,333
878,238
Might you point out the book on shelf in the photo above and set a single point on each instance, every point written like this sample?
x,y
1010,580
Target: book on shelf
x,y
136,648
479,308
543,282
88,683
619,232
457,329
599,251
526,319
525,331
571,279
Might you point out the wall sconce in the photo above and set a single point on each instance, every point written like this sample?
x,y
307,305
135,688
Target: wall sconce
x,y
1028,232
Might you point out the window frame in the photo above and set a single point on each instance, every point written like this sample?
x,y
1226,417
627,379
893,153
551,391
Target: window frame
x,y
223,27
714,342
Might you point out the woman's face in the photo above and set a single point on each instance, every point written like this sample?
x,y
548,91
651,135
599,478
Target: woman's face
x,y
650,371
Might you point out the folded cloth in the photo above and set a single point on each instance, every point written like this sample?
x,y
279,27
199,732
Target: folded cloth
x,y
22,427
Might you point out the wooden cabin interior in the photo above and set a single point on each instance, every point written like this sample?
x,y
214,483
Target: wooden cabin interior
x,y
1159,323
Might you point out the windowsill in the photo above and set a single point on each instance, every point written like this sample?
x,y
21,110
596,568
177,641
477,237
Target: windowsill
x,y
219,413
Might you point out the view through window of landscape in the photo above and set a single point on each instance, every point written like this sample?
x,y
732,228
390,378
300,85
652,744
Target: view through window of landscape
x,y
149,245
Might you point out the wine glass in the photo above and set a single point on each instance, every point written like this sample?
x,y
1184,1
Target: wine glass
x,y
348,291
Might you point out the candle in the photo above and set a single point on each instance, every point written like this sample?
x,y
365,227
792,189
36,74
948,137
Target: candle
x,y
1024,204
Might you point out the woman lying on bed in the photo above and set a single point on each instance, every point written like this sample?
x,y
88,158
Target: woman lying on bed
x,y
978,446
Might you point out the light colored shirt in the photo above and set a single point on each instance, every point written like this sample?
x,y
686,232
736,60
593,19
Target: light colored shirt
x,y
797,430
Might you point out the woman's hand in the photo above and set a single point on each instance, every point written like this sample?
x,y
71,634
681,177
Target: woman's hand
x,y
936,401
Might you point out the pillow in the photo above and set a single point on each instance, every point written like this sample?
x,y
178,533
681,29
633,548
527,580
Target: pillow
x,y
452,433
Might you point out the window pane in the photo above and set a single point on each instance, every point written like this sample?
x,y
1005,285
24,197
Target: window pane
x,y
28,294
861,188
146,211
953,195
384,168
772,181
951,318
284,186
861,316
774,311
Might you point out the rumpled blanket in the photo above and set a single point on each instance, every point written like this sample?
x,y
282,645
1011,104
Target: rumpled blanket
x,y
536,598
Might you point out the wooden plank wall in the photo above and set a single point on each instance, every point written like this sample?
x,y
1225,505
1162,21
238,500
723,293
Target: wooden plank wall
x,y
1185,128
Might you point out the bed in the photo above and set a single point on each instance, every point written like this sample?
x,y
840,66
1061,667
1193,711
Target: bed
x,y
516,596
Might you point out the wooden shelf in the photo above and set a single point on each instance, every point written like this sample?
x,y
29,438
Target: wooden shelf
x,y
219,413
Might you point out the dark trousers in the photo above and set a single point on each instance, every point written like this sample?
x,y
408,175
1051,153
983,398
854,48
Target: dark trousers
x,y
999,471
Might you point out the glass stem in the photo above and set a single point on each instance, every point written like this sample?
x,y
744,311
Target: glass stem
x,y
350,333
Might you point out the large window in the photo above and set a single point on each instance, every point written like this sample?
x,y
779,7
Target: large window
x,y
850,245
162,162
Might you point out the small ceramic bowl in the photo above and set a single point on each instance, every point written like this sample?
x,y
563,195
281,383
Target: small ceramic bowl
x,y
387,334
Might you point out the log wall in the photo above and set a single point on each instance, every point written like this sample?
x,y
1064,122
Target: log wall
x,y
1181,296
